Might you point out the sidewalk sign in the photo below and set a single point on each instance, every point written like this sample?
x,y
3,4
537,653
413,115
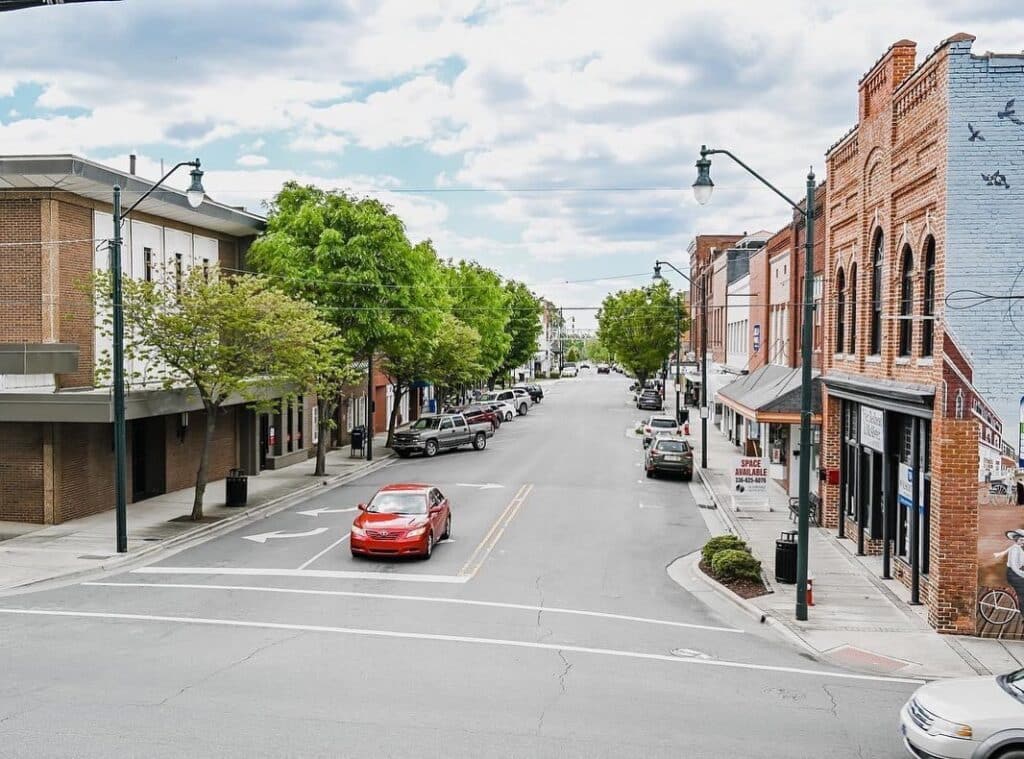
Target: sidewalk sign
x,y
750,485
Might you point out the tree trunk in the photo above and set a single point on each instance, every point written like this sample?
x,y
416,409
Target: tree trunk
x,y
399,392
204,460
324,426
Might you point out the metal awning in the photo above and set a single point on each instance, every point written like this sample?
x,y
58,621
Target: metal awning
x,y
891,395
772,394
78,176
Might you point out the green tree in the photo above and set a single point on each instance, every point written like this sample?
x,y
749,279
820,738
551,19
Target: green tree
x,y
480,301
523,326
221,336
348,256
639,327
329,373
573,353
596,351
455,359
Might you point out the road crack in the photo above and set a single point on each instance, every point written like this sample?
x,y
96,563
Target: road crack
x,y
831,697
561,690
226,667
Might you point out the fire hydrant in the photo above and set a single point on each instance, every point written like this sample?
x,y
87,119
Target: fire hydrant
x,y
686,428
810,591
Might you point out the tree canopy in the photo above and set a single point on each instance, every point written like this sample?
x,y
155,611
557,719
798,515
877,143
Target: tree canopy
x,y
638,326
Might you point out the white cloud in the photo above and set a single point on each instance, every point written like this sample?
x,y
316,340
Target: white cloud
x,y
251,160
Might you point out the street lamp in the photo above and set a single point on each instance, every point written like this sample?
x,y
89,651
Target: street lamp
x,y
703,357
194,195
702,189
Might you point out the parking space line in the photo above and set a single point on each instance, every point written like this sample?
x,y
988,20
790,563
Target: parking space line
x,y
335,544
329,574
498,642
424,599
484,548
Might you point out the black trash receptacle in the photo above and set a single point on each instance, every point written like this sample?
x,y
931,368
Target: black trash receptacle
x,y
684,415
237,488
358,440
785,558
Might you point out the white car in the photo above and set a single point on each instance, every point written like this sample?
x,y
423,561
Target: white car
x,y
519,401
569,370
660,425
966,718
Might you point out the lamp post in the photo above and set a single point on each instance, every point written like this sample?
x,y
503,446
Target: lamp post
x,y
703,358
679,349
702,189
195,195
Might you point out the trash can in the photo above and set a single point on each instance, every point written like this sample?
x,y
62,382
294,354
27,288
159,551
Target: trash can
x,y
785,558
237,488
358,440
684,415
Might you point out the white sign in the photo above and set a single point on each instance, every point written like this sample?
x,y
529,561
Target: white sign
x,y
315,422
872,428
750,485
750,477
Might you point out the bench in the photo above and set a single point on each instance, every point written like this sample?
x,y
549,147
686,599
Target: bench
x,y
794,509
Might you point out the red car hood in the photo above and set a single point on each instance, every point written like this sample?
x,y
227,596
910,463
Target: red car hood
x,y
370,520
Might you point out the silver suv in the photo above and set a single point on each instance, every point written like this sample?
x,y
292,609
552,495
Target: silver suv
x,y
517,398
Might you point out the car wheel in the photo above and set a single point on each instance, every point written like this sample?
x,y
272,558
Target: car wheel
x,y
508,416
447,528
480,441
430,546
523,408
431,448
402,454
1013,753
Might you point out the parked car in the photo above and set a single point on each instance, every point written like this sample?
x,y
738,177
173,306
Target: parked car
x,y
519,401
584,365
569,370
669,454
650,400
966,718
476,414
505,411
604,369
401,519
536,392
430,434
658,424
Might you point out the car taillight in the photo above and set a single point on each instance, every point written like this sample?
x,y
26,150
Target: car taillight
x,y
647,430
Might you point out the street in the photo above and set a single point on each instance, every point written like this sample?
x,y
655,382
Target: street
x,y
545,627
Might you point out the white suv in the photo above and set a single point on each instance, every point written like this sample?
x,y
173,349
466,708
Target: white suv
x,y
569,370
519,399
967,718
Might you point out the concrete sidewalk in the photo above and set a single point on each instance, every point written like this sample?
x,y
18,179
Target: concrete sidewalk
x,y
858,620
34,554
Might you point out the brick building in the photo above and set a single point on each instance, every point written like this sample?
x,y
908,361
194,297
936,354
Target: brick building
x,y
56,435
923,396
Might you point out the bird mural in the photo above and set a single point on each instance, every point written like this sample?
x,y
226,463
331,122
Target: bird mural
x,y
1010,112
975,134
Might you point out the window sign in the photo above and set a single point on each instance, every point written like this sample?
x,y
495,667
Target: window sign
x,y
757,347
872,428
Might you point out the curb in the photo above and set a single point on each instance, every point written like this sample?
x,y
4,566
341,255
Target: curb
x,y
691,564
202,531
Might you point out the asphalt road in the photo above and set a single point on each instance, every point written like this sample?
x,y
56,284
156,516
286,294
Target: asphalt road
x,y
547,627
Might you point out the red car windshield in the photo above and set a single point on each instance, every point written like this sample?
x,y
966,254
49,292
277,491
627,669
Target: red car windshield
x,y
398,503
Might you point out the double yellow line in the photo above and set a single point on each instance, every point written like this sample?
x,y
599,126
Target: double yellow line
x,y
483,550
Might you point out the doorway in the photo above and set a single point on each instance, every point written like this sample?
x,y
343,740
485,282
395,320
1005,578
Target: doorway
x,y
149,474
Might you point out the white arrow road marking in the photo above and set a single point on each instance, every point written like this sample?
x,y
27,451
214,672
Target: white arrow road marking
x,y
325,510
485,486
265,536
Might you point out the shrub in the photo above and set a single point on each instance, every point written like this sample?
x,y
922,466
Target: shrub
x,y
735,564
721,543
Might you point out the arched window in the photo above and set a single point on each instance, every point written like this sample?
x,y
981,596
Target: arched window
x,y
928,323
906,301
840,311
854,313
876,293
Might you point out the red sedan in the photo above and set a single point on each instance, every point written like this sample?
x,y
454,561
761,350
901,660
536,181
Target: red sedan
x,y
402,520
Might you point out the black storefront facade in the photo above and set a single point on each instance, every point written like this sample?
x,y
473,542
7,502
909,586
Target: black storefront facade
x,y
885,434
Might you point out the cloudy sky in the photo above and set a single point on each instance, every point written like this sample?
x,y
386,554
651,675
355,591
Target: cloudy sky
x,y
553,140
